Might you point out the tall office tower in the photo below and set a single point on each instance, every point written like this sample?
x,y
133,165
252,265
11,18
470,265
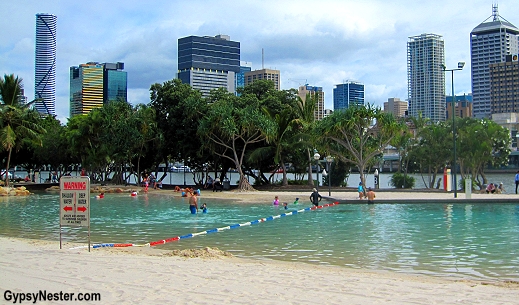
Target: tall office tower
x,y
45,64
462,106
395,106
208,63
86,88
268,74
115,82
314,91
347,94
240,76
490,42
504,84
426,77
93,84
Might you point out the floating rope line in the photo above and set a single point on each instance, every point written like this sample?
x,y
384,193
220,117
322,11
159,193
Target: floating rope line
x,y
190,235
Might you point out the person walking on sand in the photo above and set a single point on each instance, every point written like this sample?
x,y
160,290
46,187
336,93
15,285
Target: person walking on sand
x,y
193,202
371,196
315,197
516,181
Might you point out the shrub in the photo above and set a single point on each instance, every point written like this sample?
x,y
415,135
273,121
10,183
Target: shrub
x,y
399,181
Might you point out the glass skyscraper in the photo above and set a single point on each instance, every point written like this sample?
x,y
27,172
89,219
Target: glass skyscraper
x,y
45,64
208,63
115,82
92,85
426,77
348,94
490,42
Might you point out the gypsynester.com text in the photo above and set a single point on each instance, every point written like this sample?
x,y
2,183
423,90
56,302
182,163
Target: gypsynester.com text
x,y
43,295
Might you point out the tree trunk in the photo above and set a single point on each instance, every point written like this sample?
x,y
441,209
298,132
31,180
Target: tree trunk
x,y
310,178
7,169
244,185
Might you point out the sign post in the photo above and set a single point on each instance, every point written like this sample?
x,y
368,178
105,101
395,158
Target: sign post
x,y
74,204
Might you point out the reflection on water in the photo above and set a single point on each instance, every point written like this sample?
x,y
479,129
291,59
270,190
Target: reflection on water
x,y
469,241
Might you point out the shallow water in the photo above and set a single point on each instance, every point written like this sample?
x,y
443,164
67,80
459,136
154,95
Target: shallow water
x,y
477,241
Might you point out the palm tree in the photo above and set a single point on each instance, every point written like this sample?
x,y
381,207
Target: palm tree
x,y
306,118
18,124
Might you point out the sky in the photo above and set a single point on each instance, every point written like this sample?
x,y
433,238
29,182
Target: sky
x,y
320,43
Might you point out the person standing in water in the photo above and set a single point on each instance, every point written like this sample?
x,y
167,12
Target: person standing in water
x,y
315,197
371,196
276,201
193,202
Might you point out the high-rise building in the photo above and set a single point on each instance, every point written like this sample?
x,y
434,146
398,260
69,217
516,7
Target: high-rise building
x,y
395,106
93,84
240,76
268,74
314,91
348,94
207,63
490,42
504,80
462,106
115,82
426,76
45,64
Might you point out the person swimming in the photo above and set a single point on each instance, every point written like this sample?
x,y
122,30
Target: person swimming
x,y
297,201
204,208
100,196
285,205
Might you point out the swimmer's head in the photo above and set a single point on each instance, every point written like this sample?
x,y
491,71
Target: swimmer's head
x,y
297,198
314,190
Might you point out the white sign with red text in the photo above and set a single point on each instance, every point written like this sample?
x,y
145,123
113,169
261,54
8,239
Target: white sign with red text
x,y
74,201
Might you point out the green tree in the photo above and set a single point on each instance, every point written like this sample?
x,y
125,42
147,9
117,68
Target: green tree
x,y
178,108
480,143
19,125
350,134
305,118
433,151
233,124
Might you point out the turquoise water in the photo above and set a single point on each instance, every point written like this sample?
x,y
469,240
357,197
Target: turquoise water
x,y
474,241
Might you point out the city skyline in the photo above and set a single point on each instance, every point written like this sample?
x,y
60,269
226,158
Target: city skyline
x,y
322,44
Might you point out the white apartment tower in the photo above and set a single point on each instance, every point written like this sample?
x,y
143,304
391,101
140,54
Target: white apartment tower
x,y
490,42
45,64
426,77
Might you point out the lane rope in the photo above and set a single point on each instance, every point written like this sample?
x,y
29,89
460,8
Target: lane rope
x,y
215,230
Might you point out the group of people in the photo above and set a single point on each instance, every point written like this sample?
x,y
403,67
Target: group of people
x,y
370,194
493,188
193,203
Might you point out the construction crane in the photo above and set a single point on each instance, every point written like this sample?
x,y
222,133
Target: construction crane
x,y
298,81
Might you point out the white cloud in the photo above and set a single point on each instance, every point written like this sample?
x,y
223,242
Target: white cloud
x,y
322,42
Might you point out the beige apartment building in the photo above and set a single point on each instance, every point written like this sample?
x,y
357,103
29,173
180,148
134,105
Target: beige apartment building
x,y
395,106
314,91
268,74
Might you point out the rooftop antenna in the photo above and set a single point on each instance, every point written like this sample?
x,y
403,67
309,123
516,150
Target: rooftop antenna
x,y
262,59
495,13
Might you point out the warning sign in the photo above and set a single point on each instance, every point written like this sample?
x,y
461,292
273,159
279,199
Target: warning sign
x,y
75,201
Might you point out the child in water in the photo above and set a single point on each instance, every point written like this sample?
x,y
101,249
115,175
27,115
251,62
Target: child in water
x,y
285,205
276,201
204,208
297,201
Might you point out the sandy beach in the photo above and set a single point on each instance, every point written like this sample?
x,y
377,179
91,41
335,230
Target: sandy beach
x,y
142,275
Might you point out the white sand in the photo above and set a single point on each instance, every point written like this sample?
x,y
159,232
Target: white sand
x,y
147,276
150,276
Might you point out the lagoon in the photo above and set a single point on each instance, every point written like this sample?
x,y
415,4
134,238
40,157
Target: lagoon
x,y
468,241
